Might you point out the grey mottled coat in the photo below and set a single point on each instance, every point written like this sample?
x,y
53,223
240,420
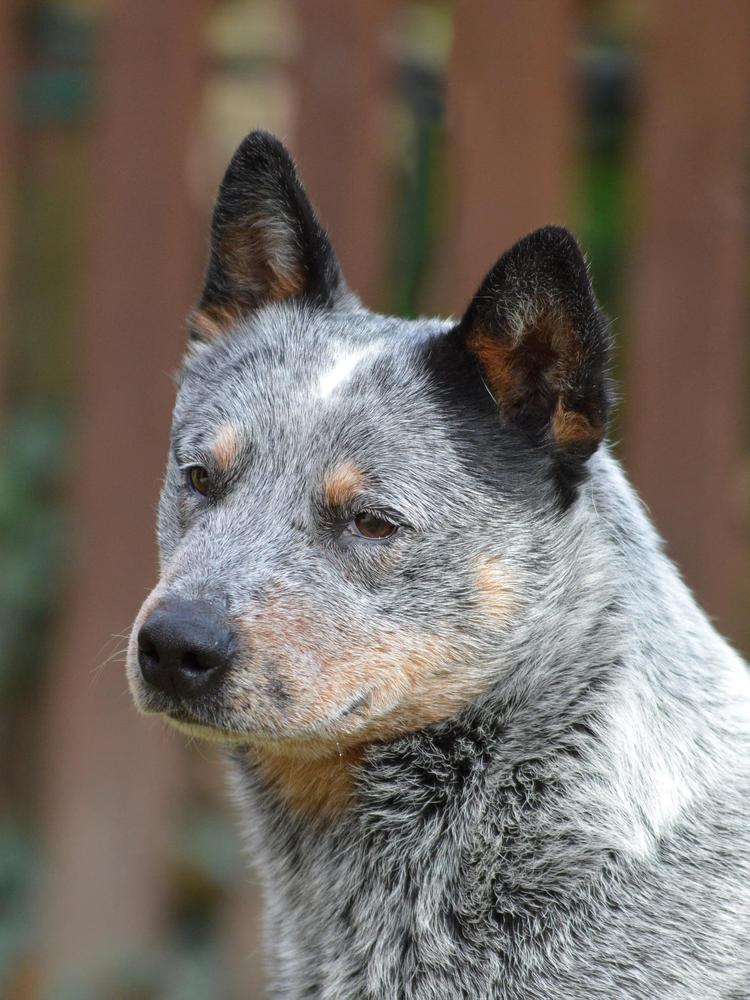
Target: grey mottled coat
x,y
541,740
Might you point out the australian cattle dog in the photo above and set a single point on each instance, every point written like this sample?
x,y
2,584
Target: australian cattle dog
x,y
486,743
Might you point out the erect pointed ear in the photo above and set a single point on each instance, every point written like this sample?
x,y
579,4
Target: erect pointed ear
x,y
542,344
267,244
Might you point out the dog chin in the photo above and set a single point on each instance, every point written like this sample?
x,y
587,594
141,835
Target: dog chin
x,y
201,731
341,726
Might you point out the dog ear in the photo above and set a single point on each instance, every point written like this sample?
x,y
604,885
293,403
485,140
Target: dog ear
x,y
267,244
541,343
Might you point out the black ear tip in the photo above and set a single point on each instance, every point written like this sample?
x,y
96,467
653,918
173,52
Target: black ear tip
x,y
550,241
260,150
260,142
554,256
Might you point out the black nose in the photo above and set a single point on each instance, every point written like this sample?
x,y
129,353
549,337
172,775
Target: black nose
x,y
184,647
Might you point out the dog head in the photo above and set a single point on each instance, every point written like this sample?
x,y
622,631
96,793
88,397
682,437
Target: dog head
x,y
358,511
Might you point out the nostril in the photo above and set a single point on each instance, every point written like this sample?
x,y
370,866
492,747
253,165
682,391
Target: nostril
x,y
148,654
193,663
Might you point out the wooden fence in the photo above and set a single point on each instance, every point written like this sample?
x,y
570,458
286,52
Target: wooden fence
x,y
112,784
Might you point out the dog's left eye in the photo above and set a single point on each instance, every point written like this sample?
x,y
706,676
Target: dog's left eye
x,y
370,525
199,479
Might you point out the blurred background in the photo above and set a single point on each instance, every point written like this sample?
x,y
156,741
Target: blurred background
x,y
430,135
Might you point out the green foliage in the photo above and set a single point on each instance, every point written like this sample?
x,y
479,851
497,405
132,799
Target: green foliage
x,y
19,868
415,225
31,542
58,89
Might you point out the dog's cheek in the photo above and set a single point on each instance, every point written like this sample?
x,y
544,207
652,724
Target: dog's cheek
x,y
495,591
433,681
437,674
291,674
296,671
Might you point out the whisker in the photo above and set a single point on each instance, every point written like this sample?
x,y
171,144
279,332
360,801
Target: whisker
x,y
119,655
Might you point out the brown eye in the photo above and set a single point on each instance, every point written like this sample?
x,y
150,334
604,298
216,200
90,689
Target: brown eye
x,y
199,479
371,526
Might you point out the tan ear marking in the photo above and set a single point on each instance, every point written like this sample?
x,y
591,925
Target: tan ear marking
x,y
570,428
496,360
541,363
259,263
545,351
283,285
211,322
342,484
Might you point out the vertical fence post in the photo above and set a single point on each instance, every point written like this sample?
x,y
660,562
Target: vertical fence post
x,y
684,406
9,45
110,776
510,126
342,80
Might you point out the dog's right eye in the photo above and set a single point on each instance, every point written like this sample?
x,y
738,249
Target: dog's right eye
x,y
369,525
199,479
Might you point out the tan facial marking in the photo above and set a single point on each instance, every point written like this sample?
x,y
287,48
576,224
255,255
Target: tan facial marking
x,y
226,445
413,688
342,484
494,588
320,787
301,675
438,685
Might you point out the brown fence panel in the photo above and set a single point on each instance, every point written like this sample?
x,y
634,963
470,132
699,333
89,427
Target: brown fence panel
x,y
684,408
9,58
111,776
511,130
343,75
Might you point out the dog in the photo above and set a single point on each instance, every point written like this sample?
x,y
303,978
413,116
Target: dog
x,y
486,743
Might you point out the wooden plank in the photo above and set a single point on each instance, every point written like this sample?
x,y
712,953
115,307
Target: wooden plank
x,y
112,778
342,76
510,132
686,353
9,59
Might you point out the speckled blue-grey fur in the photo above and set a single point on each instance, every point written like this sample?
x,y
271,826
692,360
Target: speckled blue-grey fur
x,y
580,830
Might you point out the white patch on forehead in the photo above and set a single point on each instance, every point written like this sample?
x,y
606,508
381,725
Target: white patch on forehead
x,y
347,359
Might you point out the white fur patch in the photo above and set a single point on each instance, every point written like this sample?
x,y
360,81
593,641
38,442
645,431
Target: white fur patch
x,y
343,368
653,777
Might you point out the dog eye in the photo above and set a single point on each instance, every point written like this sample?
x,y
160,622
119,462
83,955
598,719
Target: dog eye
x,y
199,479
369,525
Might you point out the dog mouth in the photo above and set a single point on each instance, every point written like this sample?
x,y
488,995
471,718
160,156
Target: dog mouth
x,y
189,725
218,727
